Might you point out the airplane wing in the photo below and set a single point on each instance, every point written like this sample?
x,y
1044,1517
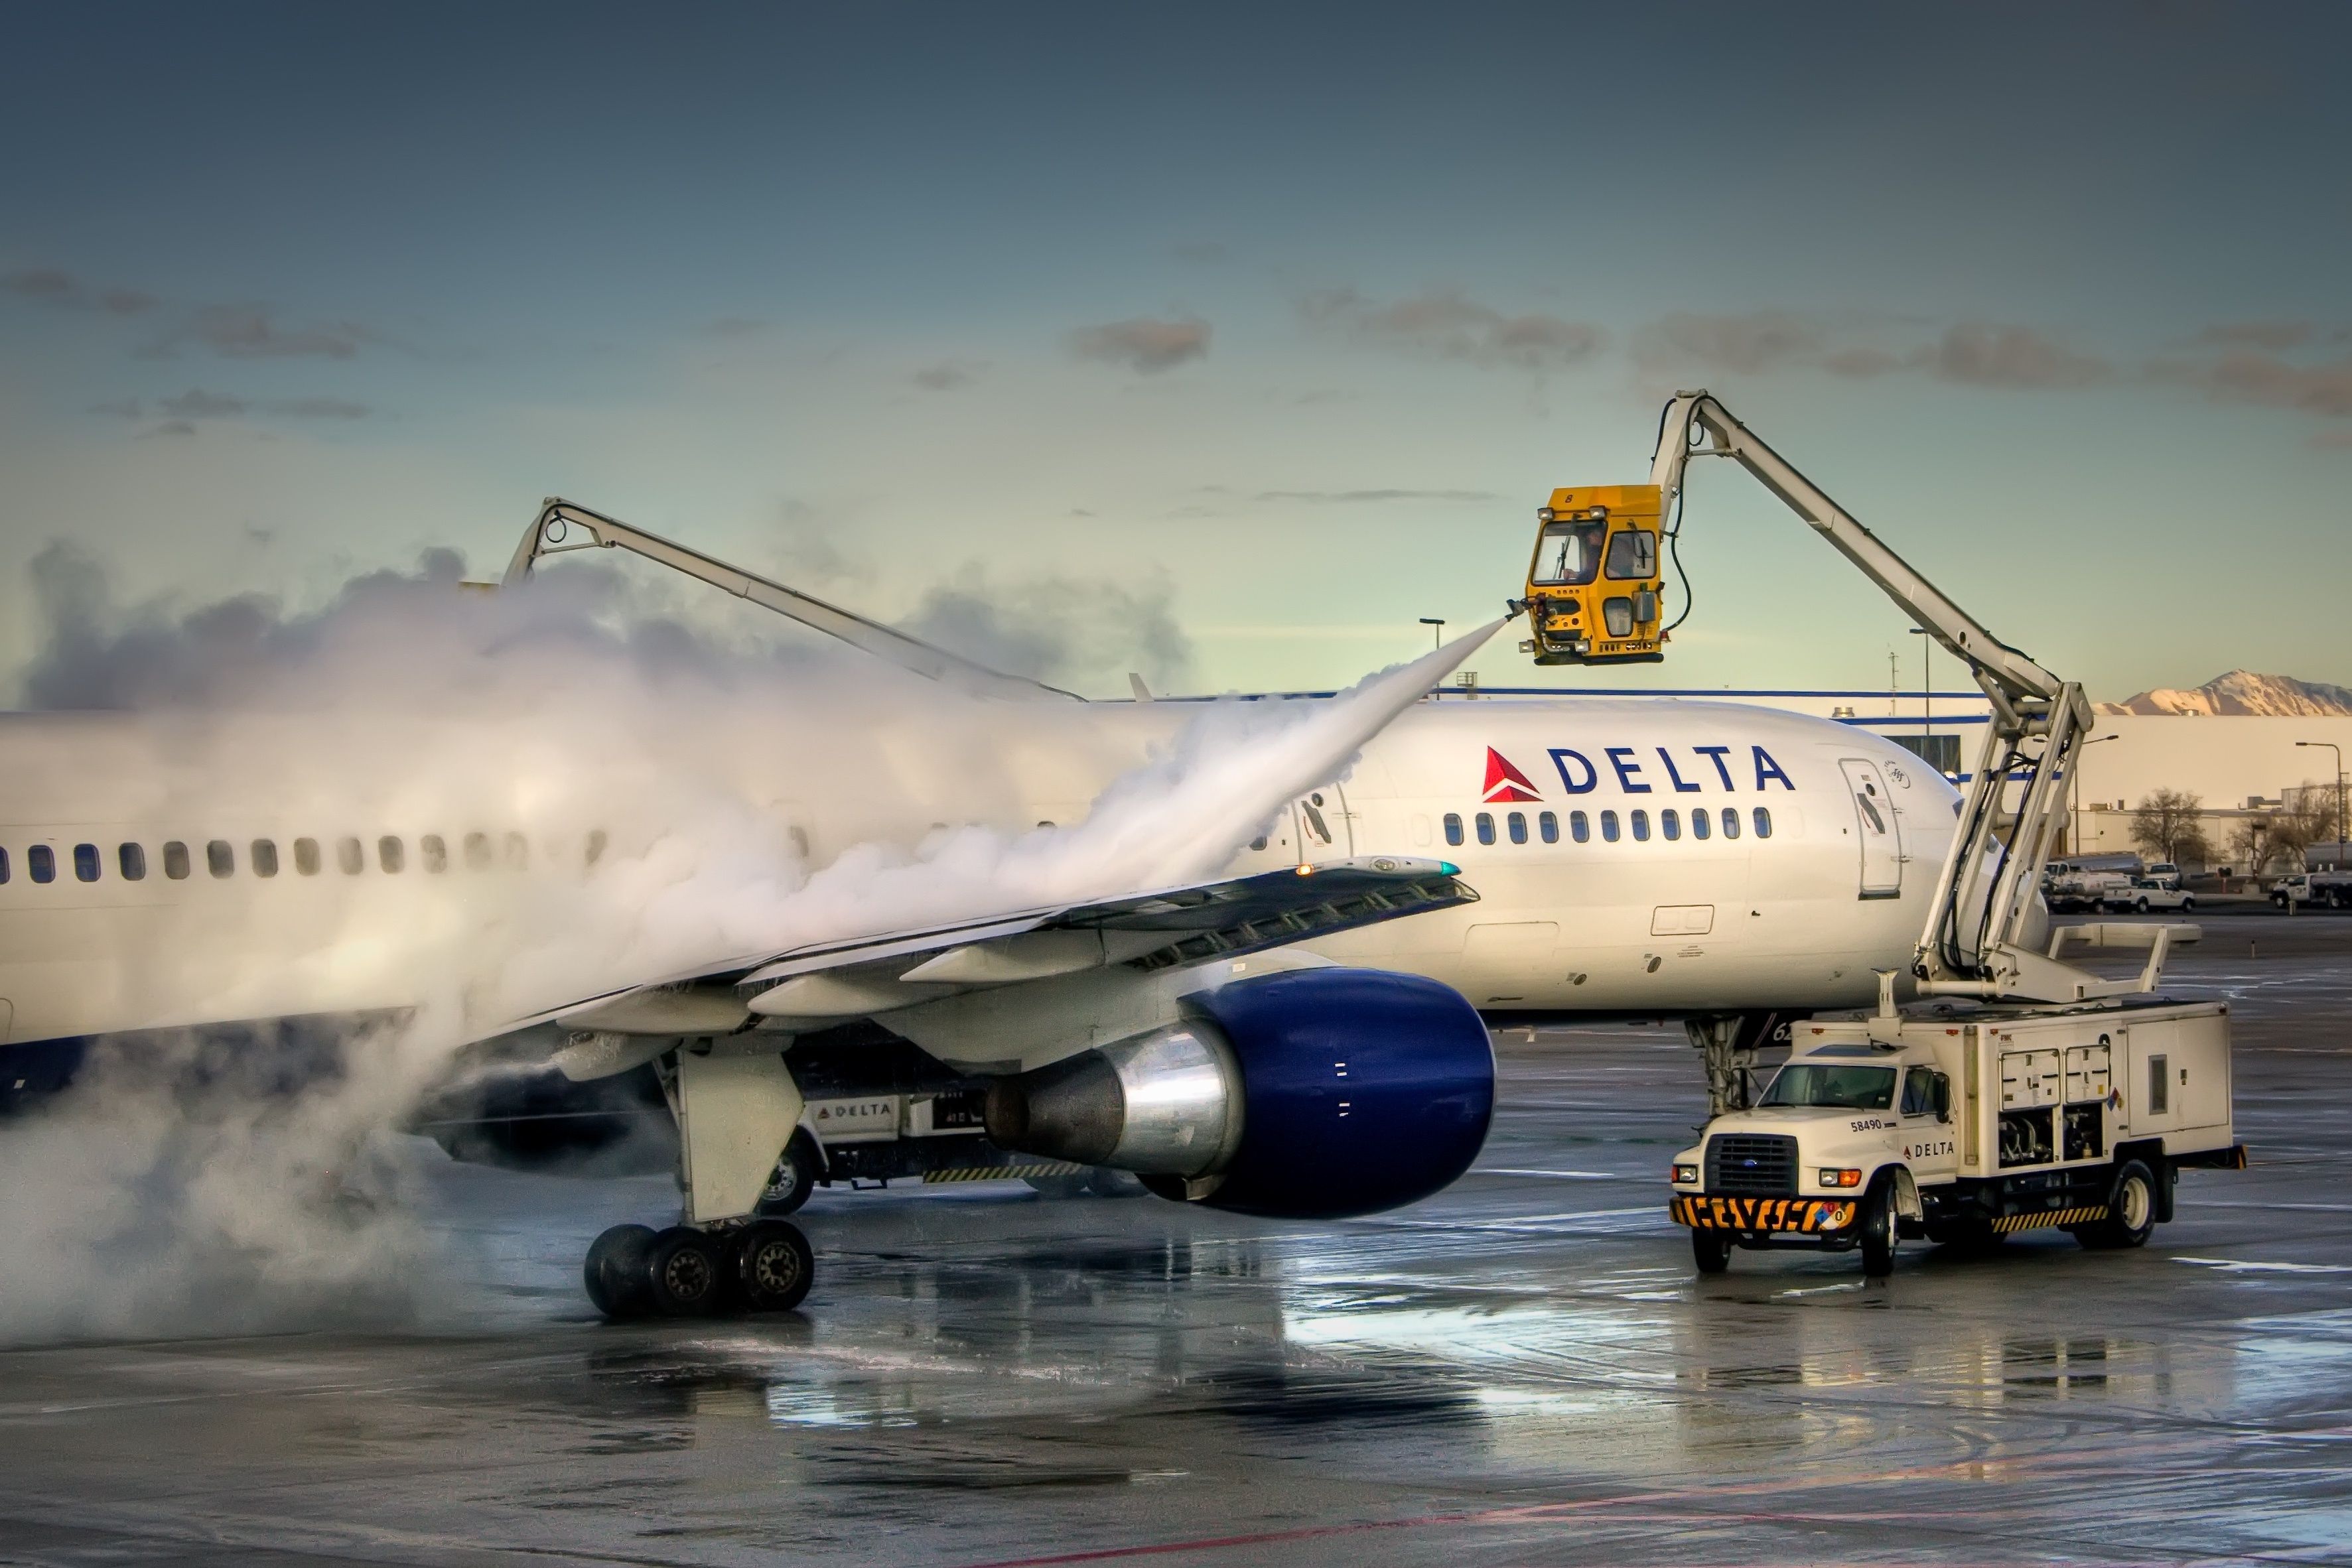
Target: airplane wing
x,y
1169,928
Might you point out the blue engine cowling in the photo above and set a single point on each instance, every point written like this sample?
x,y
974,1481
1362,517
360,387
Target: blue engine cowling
x,y
1318,1093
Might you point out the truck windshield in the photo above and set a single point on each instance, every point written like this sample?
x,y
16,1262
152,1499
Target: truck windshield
x,y
1844,1088
1568,553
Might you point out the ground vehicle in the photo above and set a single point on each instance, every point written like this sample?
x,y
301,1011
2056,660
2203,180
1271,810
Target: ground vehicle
x,y
2087,884
2145,893
2314,889
1963,1126
2165,872
1593,582
2040,1031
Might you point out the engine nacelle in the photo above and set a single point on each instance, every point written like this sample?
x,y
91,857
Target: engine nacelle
x,y
1316,1094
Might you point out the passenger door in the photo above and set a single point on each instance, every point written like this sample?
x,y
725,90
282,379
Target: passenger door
x,y
1931,1142
1875,823
1324,832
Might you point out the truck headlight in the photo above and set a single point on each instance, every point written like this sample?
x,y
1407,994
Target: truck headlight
x,y
1686,1175
1847,1176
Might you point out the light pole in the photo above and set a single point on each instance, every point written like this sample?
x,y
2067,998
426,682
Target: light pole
x,y
1436,631
1927,698
2075,799
2339,795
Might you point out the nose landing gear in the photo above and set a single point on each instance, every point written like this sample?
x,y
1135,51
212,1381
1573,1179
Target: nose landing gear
x,y
633,1271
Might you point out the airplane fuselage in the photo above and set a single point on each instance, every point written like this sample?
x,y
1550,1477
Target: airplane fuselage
x,y
1630,858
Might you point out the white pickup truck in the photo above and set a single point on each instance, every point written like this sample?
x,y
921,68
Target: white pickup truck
x,y
1963,1125
2143,894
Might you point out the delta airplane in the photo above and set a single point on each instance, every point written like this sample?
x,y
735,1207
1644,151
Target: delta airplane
x,y
1295,1032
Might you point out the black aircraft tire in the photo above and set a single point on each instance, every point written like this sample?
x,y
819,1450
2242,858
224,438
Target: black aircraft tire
x,y
2131,1211
773,1266
685,1273
615,1272
1878,1230
794,1178
1710,1251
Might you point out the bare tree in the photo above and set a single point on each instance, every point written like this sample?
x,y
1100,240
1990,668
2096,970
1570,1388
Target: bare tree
x,y
2280,837
2169,825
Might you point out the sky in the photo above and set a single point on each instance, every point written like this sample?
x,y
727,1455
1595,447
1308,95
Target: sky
x,y
1216,343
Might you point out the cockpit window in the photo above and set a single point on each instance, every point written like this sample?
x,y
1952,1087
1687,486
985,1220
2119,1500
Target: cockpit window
x,y
1568,553
1839,1088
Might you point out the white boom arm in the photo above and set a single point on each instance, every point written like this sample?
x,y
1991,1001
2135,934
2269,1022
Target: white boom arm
x,y
551,534
1974,943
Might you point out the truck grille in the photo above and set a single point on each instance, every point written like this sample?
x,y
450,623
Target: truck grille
x,y
1761,1164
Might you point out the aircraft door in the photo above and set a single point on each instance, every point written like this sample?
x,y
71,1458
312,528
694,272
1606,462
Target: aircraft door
x,y
1874,824
1325,832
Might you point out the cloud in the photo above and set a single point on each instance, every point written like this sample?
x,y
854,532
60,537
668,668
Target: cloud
x,y
120,408
734,326
806,551
1360,497
250,333
2269,381
1200,251
54,286
320,408
949,375
2013,358
1756,340
1861,362
2272,335
198,404
169,427
1142,344
1446,324
1063,630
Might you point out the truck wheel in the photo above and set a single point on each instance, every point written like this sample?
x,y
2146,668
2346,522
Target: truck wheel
x,y
2141,907
1878,1230
2187,904
2279,899
2131,1211
1710,1250
794,1178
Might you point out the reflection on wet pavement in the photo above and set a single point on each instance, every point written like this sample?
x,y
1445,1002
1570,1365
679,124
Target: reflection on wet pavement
x,y
1522,1370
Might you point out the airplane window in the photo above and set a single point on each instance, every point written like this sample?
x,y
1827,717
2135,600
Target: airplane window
x,y
86,861
1670,823
1549,826
1517,822
518,849
306,856
1763,823
1485,827
42,861
265,857
1453,828
1640,826
390,853
175,860
132,858
433,853
4,865
596,842
219,858
350,856
1259,842
1731,821
1700,823
1609,826
477,851
1580,827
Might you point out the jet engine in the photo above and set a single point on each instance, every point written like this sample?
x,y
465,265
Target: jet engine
x,y
1316,1094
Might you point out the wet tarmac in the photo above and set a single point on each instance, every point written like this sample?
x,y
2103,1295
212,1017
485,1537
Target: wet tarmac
x,y
1522,1370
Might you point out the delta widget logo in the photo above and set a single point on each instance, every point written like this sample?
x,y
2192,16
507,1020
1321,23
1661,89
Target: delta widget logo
x,y
1504,782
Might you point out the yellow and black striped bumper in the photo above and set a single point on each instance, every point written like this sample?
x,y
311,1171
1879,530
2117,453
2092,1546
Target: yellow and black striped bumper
x,y
1810,1216
2090,1216
1002,1173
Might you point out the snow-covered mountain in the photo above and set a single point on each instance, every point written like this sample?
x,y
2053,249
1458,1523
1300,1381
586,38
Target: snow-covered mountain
x,y
2244,692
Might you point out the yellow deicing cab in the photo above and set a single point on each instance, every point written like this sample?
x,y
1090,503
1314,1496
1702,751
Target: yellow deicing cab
x,y
1595,583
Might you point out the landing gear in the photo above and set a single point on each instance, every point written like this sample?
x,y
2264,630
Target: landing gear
x,y
635,1272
